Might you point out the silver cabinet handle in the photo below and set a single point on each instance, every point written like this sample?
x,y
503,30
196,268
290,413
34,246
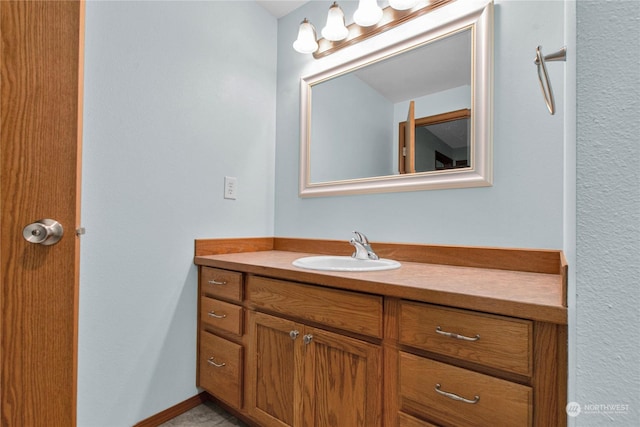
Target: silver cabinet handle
x,y
294,334
44,232
456,336
454,396
215,282
210,361
307,338
217,316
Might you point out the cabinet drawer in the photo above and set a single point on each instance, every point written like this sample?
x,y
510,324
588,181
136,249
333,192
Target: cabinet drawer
x,y
435,389
350,311
409,421
221,368
495,341
221,315
223,284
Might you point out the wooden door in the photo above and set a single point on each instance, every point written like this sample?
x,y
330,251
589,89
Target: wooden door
x,y
273,389
410,140
343,378
41,46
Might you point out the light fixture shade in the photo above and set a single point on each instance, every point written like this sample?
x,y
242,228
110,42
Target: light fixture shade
x,y
335,29
306,41
402,4
368,13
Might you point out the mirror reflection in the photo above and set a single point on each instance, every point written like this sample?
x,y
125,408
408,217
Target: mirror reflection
x,y
413,114
363,123
438,142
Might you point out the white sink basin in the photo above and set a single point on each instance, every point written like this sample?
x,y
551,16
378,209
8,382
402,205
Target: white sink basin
x,y
344,263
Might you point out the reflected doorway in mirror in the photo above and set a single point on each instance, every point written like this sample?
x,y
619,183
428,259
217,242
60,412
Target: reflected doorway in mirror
x,y
440,142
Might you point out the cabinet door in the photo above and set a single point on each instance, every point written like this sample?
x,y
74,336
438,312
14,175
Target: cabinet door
x,y
274,366
343,378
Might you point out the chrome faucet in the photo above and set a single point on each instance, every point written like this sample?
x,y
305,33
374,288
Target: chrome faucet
x,y
363,249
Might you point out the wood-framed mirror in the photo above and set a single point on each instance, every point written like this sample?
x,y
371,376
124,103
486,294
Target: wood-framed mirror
x,y
349,140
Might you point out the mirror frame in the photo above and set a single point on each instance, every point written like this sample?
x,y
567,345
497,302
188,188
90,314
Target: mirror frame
x,y
452,18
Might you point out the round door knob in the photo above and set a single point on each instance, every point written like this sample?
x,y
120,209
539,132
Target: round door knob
x,y
44,232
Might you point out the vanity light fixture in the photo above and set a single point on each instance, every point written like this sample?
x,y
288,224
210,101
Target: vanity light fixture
x,y
335,30
402,4
307,39
369,19
368,13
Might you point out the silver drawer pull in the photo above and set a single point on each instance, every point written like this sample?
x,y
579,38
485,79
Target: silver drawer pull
x,y
456,336
454,396
217,316
215,282
210,361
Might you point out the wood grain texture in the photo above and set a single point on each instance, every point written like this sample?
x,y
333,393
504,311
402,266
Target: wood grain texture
x,y
500,403
550,375
40,103
221,315
172,412
529,260
223,284
535,296
220,293
409,421
502,342
342,381
275,371
391,405
348,311
226,380
522,372
226,246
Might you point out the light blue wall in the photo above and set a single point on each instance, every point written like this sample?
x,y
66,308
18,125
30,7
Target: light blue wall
x,y
177,95
168,96
524,208
540,181
608,220
351,138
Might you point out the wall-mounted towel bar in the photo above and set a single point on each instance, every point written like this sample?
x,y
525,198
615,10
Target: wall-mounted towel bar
x,y
545,82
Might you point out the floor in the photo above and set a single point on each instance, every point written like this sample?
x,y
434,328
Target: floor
x,y
208,414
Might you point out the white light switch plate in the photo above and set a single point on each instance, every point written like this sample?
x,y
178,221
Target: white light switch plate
x,y
230,187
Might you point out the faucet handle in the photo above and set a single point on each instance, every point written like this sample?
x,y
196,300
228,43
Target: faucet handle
x,y
363,249
361,237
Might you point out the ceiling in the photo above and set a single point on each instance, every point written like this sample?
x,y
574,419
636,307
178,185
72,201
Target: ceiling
x,y
280,8
434,67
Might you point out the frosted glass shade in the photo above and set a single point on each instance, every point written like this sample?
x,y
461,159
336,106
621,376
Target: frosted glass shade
x,y
368,13
402,4
335,29
306,41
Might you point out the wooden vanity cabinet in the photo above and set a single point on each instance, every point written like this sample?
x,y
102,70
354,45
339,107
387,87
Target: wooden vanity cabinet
x,y
469,369
304,375
283,347
220,349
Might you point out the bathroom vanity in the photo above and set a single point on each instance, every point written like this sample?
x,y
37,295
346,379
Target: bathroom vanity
x,y
457,336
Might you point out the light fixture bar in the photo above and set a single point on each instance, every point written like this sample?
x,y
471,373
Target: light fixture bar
x,y
390,18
